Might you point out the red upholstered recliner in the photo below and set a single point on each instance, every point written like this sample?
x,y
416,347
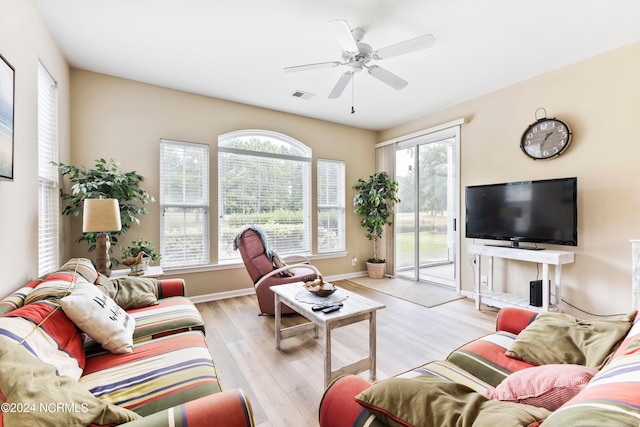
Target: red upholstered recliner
x,y
263,272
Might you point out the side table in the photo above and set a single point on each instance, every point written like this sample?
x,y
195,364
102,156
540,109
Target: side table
x,y
153,272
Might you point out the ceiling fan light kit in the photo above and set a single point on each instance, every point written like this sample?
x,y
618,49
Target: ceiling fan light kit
x,y
357,56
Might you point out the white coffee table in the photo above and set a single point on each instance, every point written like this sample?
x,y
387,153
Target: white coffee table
x,y
355,309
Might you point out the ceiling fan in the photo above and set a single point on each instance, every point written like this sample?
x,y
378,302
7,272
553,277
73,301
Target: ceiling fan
x,y
357,56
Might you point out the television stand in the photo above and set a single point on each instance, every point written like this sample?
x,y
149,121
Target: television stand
x,y
501,299
517,246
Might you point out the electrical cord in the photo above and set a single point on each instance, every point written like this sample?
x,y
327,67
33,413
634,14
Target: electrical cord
x,y
589,313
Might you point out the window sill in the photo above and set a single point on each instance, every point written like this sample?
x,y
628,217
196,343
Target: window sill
x,y
234,264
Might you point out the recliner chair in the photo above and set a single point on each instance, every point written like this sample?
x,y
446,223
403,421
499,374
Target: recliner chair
x,y
260,265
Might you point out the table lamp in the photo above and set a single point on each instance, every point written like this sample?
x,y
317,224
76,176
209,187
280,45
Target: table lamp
x,y
101,216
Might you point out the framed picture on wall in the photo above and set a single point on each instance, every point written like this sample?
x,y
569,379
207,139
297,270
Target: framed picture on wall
x,y
7,100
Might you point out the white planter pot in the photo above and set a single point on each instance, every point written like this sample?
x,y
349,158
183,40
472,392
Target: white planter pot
x,y
376,269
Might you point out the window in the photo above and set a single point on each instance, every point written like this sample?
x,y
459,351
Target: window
x,y
184,203
48,198
264,179
331,206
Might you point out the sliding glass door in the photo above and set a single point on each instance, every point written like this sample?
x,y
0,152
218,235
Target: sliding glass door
x,y
426,218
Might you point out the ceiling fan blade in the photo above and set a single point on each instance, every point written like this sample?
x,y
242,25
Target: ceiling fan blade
x,y
419,43
312,66
343,81
387,77
345,37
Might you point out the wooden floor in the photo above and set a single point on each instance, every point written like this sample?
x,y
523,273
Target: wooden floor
x,y
285,387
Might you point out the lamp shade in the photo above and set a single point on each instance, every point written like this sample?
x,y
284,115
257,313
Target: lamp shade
x,y
101,215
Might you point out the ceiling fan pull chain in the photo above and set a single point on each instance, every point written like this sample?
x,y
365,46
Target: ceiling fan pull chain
x,y
353,90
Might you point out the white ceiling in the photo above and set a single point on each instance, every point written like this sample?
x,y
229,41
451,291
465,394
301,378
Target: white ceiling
x,y
237,49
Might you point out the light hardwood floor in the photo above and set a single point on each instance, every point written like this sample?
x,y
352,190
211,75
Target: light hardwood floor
x,y
285,387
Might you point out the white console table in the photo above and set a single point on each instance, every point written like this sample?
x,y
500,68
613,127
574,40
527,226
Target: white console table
x,y
545,257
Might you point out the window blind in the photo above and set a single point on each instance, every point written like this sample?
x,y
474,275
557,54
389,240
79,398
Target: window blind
x,y
264,179
48,198
331,205
184,203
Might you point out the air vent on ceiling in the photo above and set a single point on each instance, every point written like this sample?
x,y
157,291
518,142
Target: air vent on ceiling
x,y
302,94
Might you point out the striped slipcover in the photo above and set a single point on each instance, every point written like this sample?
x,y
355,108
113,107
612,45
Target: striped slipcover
x,y
82,266
479,364
346,388
16,299
448,371
612,398
170,316
48,334
227,408
157,375
169,378
486,359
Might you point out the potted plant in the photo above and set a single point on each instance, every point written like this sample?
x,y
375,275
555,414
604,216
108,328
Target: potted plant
x,y
137,247
374,202
107,181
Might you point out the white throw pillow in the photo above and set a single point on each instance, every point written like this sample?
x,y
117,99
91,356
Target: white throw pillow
x,y
100,317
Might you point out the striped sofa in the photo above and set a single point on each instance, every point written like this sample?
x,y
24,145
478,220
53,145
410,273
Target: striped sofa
x,y
610,398
168,377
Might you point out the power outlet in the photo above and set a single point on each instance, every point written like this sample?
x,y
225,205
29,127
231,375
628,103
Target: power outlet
x,y
354,261
484,280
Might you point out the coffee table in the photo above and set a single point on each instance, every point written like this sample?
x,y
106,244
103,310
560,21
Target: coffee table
x,y
355,309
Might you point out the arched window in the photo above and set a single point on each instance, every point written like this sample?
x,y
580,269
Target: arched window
x,y
264,179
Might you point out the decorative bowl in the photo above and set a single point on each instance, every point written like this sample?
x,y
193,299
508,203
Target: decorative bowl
x,y
324,292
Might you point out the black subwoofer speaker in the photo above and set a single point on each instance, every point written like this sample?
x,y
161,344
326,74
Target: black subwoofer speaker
x,y
535,293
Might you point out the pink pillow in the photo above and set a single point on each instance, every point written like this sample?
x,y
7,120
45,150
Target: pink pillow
x,y
545,386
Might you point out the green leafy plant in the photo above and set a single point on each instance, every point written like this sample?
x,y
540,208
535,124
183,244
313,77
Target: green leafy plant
x,y
141,245
107,181
374,202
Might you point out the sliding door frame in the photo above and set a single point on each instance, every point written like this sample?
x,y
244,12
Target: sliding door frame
x,y
438,133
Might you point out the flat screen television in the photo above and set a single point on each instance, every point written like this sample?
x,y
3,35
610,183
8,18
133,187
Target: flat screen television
x,y
543,211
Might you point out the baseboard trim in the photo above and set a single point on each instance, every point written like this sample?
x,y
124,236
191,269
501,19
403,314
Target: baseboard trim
x,y
222,295
251,291
467,294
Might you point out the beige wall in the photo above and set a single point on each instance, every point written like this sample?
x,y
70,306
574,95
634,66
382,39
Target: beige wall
x,y
125,120
599,100
112,117
23,41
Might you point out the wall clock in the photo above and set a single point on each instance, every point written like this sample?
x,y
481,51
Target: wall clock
x,y
545,138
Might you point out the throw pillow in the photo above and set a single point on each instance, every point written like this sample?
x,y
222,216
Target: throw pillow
x,y
130,292
561,338
100,317
548,386
430,401
45,399
45,331
279,263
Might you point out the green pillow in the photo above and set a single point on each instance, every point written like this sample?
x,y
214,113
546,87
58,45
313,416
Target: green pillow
x,y
34,387
430,401
130,292
554,338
